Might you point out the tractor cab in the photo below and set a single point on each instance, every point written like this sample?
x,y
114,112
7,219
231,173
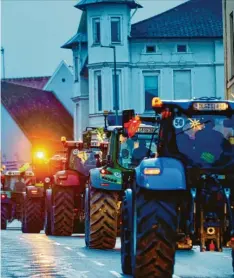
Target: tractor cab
x,y
16,182
200,133
82,156
134,141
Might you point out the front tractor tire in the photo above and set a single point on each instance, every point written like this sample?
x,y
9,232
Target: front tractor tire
x,y
32,221
154,234
4,214
62,212
102,219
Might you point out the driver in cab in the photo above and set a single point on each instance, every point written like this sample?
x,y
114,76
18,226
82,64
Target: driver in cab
x,y
140,153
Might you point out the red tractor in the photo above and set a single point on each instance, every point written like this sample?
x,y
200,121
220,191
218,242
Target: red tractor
x,y
64,210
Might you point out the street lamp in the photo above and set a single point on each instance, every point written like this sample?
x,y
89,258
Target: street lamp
x,y
116,106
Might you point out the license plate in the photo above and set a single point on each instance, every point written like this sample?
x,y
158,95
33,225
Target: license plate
x,y
210,106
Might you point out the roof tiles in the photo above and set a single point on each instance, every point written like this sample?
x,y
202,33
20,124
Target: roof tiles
x,y
195,18
38,113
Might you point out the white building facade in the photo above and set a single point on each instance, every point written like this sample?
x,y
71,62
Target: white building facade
x,y
179,67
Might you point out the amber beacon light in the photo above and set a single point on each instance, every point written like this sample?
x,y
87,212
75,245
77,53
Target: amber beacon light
x,y
156,102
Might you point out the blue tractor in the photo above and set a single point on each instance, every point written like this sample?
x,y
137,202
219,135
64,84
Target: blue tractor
x,y
186,187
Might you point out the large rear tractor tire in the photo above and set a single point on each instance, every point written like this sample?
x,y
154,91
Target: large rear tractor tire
x,y
103,219
154,234
33,218
62,215
4,214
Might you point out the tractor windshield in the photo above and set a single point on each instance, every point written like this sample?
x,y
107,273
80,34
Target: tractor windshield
x,y
133,150
83,161
205,140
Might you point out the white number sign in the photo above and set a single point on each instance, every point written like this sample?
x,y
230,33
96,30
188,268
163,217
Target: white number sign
x,y
178,122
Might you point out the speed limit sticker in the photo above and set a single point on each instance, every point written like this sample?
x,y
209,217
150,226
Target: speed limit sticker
x,y
178,122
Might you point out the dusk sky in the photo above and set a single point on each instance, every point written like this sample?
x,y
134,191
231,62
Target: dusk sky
x,y
33,31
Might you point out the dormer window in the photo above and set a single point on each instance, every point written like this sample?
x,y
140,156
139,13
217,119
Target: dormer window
x,y
96,31
150,48
182,48
115,30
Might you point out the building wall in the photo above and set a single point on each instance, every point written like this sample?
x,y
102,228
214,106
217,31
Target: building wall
x,y
99,54
203,63
62,86
204,60
228,9
14,144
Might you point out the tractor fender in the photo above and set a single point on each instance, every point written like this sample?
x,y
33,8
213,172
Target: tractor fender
x,y
95,178
170,177
34,192
128,195
67,178
96,181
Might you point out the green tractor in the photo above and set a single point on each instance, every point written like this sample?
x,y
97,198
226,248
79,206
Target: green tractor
x,y
187,187
103,195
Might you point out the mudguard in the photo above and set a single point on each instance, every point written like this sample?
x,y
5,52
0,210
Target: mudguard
x,y
128,195
171,176
67,178
99,183
34,192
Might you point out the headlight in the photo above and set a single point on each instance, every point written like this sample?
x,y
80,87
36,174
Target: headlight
x,y
152,171
47,180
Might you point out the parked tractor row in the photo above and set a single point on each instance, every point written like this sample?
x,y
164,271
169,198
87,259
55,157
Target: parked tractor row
x,y
163,182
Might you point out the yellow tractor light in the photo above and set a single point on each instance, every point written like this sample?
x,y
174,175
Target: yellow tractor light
x,y
152,171
40,155
63,139
156,102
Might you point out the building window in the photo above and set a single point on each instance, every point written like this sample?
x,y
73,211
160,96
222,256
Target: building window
x,y
96,31
115,30
98,89
118,88
150,89
232,44
182,48
76,69
182,84
150,48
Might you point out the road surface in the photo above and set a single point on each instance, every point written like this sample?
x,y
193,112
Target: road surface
x,y
36,255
